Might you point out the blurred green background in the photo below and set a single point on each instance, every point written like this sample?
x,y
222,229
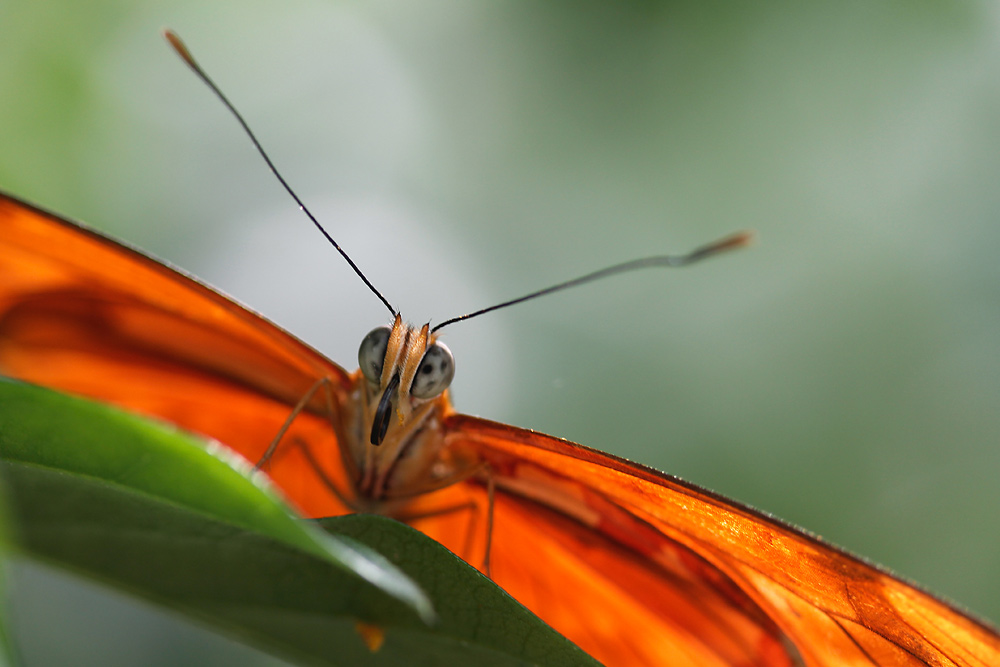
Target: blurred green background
x,y
843,374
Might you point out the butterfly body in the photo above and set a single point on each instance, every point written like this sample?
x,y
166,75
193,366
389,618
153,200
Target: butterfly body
x,y
388,425
396,446
636,566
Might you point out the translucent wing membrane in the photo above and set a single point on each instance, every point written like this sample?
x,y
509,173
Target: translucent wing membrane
x,y
635,566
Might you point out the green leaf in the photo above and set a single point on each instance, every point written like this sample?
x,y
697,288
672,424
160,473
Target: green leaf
x,y
148,509
6,648
470,606
89,443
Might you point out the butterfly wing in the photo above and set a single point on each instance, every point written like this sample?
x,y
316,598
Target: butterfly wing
x,y
635,566
85,314
690,577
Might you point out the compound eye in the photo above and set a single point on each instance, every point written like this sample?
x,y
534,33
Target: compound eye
x,y
371,354
436,370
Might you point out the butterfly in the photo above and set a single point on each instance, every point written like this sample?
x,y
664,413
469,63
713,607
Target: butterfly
x,y
635,566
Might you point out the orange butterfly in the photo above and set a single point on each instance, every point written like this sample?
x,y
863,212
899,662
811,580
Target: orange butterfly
x,y
670,573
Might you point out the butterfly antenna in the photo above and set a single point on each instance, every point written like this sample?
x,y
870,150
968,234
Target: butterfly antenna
x,y
738,240
182,51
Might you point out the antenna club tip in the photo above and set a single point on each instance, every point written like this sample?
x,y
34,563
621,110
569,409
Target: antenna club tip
x,y
735,241
177,45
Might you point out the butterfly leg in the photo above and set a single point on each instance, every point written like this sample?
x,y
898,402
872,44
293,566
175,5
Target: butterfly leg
x,y
470,506
482,470
344,498
324,383
490,492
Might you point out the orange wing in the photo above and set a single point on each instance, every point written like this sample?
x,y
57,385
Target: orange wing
x,y
690,577
85,314
635,566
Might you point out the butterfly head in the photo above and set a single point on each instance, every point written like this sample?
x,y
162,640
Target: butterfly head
x,y
404,367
